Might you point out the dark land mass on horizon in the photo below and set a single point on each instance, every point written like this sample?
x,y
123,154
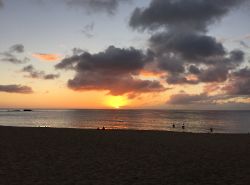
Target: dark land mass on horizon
x,y
74,156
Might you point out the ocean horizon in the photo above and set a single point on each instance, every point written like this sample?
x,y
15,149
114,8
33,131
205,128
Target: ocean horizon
x,y
197,121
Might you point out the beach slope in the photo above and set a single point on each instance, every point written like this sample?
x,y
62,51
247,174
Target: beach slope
x,y
112,157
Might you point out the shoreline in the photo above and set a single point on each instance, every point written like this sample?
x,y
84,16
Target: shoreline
x,y
121,130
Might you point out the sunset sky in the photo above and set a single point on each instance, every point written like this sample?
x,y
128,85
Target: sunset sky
x,y
154,54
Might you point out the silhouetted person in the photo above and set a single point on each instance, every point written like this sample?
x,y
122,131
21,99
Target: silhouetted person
x,y
103,128
183,126
211,130
98,128
173,125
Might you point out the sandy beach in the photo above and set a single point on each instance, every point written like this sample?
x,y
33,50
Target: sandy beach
x,y
73,156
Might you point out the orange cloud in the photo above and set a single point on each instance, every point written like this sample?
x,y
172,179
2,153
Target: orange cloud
x,y
152,74
191,77
46,57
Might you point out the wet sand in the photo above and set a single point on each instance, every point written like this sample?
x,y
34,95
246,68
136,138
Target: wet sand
x,y
111,157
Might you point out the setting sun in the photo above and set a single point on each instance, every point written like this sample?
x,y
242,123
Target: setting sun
x,y
116,101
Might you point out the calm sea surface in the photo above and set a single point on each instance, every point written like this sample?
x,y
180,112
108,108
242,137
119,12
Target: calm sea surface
x,y
195,121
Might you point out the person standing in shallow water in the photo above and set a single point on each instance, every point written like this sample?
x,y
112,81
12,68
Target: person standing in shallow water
x,y
211,130
183,126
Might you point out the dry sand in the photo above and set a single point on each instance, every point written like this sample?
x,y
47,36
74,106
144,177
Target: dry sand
x,y
70,156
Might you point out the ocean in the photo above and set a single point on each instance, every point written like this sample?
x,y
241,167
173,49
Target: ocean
x,y
194,121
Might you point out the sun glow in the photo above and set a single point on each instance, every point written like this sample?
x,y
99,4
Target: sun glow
x,y
116,102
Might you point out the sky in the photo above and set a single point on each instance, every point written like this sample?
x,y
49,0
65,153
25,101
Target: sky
x,y
130,54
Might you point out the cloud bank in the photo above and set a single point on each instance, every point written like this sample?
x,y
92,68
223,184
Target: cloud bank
x,y
114,70
185,51
179,47
189,14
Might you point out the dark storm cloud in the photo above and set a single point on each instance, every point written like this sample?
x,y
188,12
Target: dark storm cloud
x,y
96,6
214,74
179,79
185,48
237,56
16,89
178,30
170,64
200,76
116,85
230,60
33,73
191,14
188,45
113,60
114,70
238,87
240,83
214,69
242,73
10,55
194,70
220,70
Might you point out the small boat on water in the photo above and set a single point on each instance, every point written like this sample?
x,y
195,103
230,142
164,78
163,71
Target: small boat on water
x,y
27,110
